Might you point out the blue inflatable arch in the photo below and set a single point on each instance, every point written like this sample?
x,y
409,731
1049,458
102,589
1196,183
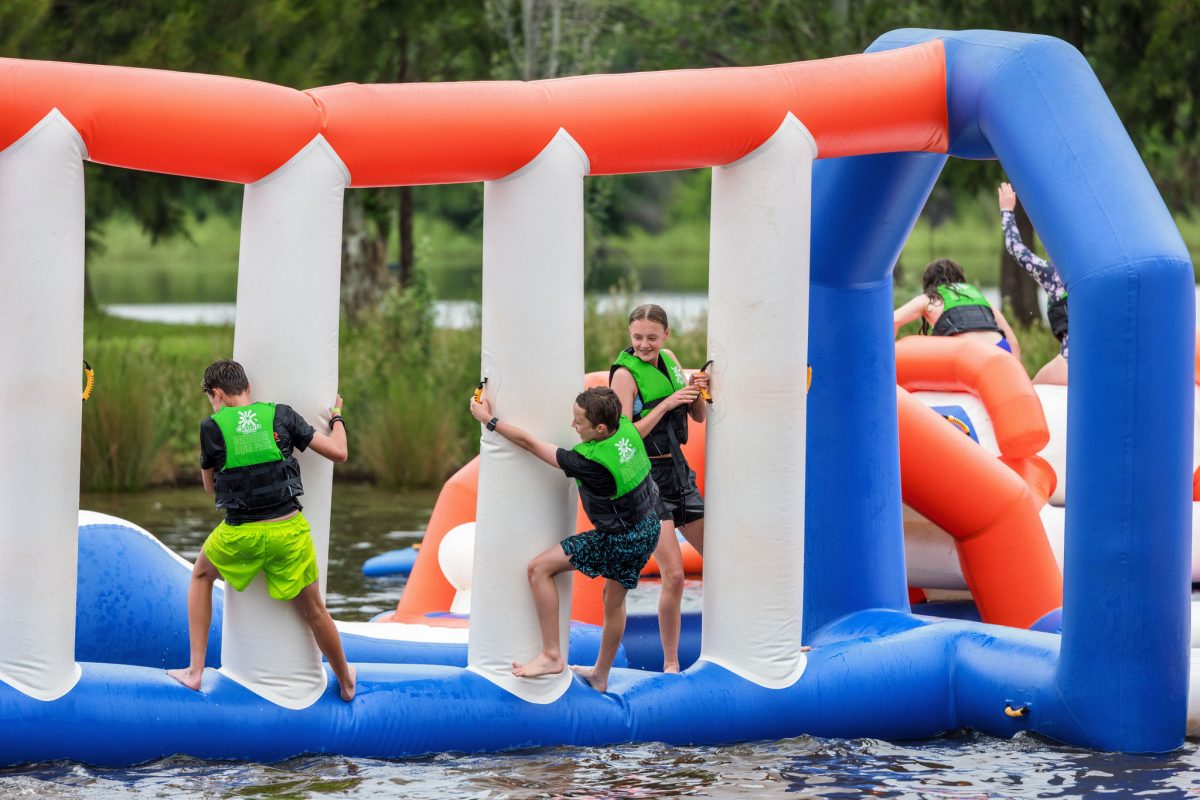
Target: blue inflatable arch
x,y
1032,102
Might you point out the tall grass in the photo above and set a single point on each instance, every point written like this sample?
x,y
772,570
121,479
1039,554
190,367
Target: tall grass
x,y
140,423
406,385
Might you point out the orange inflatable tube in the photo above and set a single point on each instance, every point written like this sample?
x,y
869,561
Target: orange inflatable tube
x,y
231,129
989,510
961,364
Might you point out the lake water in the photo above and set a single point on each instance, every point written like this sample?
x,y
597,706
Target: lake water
x,y
367,521
684,309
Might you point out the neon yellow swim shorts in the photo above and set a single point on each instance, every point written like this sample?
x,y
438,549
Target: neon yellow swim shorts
x,y
283,550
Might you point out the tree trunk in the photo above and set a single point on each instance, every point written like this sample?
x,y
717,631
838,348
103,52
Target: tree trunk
x,y
364,258
1017,288
407,258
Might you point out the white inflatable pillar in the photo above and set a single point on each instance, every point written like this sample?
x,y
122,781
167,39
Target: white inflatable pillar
x,y
286,337
41,323
758,340
533,360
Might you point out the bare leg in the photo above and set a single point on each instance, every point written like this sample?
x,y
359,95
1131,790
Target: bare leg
x,y
199,621
670,569
542,571
316,616
1054,372
693,532
610,636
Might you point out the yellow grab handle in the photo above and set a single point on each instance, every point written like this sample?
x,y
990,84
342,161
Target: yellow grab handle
x,y
91,380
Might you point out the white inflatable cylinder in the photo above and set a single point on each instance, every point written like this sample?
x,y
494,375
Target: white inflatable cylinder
x,y
286,337
41,320
758,340
533,360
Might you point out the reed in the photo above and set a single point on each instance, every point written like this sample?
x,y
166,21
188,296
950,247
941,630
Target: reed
x,y
139,425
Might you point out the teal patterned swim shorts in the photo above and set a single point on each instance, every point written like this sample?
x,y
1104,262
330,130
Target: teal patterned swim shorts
x,y
618,556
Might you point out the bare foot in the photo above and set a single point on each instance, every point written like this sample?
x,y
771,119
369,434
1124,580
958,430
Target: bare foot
x,y
187,677
671,668
542,665
346,687
805,649
597,682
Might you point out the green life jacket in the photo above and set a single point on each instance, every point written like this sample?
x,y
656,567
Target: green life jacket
x,y
623,455
255,474
653,386
964,309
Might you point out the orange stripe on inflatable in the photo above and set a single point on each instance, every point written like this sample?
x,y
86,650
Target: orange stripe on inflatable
x,y
180,123
989,510
238,130
643,122
961,364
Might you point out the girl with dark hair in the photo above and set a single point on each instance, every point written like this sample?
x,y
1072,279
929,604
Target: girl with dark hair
x,y
656,395
952,307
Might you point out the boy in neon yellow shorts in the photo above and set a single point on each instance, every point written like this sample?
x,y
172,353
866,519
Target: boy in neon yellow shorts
x,y
246,462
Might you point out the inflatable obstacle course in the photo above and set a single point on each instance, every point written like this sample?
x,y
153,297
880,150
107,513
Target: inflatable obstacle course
x,y
819,172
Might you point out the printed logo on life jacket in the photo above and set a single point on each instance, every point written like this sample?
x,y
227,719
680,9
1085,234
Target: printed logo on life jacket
x,y
247,422
678,374
625,450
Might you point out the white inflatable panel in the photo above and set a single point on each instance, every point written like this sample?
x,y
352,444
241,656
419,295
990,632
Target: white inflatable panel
x,y
758,340
533,360
41,322
930,555
1193,706
287,338
1054,406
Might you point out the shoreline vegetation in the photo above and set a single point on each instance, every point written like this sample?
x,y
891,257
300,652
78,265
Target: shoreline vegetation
x,y
405,380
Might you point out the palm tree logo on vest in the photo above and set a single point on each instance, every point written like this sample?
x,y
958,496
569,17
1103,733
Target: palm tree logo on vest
x,y
247,422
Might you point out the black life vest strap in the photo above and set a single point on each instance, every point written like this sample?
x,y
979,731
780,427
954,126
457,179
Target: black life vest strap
x,y
963,319
257,485
1057,314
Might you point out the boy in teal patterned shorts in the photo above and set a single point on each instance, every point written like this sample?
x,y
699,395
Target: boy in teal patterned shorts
x,y
246,462
613,472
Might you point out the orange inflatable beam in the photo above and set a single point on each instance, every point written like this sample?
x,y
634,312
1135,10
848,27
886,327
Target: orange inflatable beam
x,y
989,510
238,130
960,364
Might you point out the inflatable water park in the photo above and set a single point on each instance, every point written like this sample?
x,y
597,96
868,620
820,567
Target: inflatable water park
x,y
819,172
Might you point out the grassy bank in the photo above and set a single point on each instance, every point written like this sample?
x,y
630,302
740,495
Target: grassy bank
x,y
405,383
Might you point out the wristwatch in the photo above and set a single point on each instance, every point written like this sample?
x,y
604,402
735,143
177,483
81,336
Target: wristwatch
x,y
492,423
